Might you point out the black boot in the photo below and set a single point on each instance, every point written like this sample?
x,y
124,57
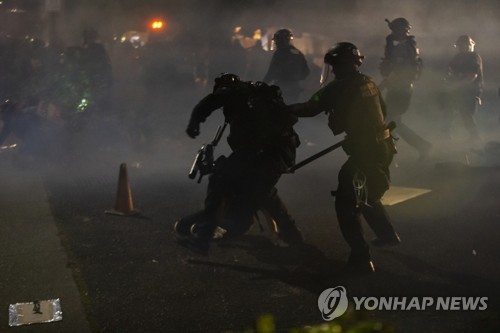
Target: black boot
x,y
182,227
200,236
198,241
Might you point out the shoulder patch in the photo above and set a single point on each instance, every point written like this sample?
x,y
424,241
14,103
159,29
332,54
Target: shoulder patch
x,y
294,51
369,89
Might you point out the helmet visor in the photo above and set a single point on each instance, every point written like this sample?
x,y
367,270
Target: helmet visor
x,y
325,72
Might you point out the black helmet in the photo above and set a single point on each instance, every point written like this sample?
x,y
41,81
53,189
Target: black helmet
x,y
399,25
282,36
226,80
343,57
465,42
343,52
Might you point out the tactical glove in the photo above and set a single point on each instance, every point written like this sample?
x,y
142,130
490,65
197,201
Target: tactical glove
x,y
193,129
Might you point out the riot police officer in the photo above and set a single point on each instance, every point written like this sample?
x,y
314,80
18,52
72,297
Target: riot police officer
x,y
288,67
356,108
400,68
263,145
465,85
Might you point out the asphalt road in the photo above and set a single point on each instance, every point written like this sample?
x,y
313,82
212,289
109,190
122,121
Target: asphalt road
x,y
133,277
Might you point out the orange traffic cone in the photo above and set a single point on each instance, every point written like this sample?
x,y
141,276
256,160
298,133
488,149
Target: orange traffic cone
x,y
124,205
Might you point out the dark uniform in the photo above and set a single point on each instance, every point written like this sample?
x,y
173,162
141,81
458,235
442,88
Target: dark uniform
x,y
263,145
356,109
400,68
465,84
288,67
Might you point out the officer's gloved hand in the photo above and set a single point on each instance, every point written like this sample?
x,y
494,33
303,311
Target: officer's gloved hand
x,y
193,129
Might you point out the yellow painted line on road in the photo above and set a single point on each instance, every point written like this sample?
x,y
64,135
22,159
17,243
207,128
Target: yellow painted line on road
x,y
397,194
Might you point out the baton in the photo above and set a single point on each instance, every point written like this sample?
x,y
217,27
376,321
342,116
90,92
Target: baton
x,y
315,157
391,126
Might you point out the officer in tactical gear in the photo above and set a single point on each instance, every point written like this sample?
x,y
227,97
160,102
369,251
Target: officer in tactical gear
x,y
400,68
464,85
288,68
356,108
263,145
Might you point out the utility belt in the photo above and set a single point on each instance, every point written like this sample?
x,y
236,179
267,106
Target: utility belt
x,y
384,135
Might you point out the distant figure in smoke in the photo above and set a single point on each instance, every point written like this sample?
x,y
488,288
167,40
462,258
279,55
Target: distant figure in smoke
x,y
288,68
97,65
400,68
72,84
356,108
464,85
263,145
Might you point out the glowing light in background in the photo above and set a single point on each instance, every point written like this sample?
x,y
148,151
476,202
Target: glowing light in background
x,y
157,25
